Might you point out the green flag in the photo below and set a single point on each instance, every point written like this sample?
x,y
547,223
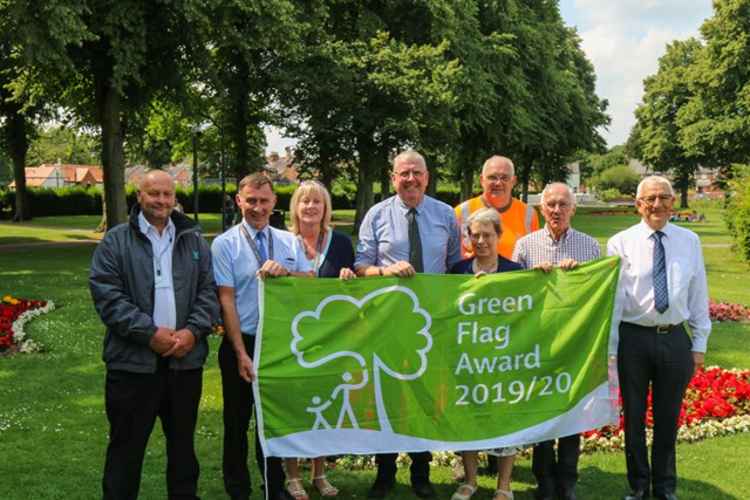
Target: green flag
x,y
434,362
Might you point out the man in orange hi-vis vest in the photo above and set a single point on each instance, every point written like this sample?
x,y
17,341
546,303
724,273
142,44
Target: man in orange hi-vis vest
x,y
517,219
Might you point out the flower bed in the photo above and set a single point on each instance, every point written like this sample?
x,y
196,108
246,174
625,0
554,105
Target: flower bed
x,y
725,311
717,402
14,313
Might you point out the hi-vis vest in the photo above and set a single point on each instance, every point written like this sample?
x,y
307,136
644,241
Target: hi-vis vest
x,y
519,220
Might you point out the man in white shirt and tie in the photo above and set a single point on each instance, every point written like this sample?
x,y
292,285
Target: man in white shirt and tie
x,y
662,286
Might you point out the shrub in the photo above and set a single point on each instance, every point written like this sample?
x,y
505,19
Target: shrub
x,y
611,194
737,211
621,178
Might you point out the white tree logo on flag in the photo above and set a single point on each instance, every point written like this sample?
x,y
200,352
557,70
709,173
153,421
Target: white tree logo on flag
x,y
408,302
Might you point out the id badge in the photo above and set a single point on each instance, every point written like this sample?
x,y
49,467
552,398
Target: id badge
x,y
160,281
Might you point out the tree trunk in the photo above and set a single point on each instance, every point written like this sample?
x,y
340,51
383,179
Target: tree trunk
x,y
385,182
113,158
18,142
364,198
525,176
684,194
239,96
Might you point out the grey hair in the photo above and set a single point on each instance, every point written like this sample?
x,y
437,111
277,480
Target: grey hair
x,y
654,179
486,216
553,185
409,156
501,159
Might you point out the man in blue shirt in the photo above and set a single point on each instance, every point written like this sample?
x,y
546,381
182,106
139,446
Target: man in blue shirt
x,y
248,251
403,235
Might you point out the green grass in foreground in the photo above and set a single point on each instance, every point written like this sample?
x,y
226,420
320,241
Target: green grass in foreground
x,y
53,429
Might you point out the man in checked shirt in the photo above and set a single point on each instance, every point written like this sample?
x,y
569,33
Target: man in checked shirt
x,y
556,244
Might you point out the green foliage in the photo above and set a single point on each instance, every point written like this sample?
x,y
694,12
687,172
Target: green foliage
x,y
65,144
737,210
715,124
595,163
610,194
621,177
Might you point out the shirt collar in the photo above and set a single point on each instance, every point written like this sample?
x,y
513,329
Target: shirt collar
x,y
647,230
405,208
145,226
563,237
253,232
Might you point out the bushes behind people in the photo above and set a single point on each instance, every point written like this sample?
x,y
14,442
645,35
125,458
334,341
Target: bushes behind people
x,y
77,200
622,178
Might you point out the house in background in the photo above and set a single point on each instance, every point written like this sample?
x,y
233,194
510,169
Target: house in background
x,y
58,175
281,168
180,172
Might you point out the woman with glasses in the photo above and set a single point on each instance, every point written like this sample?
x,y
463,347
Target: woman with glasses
x,y
484,230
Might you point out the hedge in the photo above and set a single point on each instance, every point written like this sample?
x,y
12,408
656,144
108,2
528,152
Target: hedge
x,y
88,201
737,210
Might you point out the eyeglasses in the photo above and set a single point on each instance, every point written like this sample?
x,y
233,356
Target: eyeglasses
x,y
651,199
486,236
405,174
498,178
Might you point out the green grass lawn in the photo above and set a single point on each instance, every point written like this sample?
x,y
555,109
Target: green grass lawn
x,y
53,429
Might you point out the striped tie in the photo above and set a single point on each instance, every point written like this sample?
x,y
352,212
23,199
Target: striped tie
x,y
661,291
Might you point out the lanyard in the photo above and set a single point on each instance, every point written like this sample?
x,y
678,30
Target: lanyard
x,y
318,250
254,247
157,260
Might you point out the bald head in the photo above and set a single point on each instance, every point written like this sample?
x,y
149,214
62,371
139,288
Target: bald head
x,y
155,176
497,180
156,198
499,161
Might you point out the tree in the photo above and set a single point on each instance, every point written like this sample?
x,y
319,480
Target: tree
x,y
16,111
621,177
665,97
365,85
107,60
715,122
66,144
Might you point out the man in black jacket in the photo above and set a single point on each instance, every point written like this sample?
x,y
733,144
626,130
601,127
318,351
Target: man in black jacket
x,y
152,284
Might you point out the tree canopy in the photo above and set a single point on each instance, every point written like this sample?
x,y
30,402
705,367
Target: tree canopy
x,y
353,81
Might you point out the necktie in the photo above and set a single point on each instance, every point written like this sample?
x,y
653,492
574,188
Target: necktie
x,y
260,240
415,243
661,291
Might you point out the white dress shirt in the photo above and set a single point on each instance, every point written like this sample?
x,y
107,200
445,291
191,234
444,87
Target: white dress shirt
x,y
686,280
165,311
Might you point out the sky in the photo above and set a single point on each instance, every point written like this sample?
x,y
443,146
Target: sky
x,y
624,40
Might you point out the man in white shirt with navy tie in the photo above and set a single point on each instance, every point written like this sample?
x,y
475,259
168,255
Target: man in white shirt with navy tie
x,y
662,286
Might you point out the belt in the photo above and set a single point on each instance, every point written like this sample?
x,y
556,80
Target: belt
x,y
660,329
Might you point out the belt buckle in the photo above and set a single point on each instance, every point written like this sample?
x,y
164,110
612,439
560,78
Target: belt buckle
x,y
662,329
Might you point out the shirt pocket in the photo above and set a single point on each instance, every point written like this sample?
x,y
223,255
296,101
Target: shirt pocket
x,y
681,273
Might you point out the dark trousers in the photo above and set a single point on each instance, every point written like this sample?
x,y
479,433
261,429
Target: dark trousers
x,y
133,401
665,361
420,467
238,408
556,473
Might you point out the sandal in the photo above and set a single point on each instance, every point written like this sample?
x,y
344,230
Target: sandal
x,y
325,488
503,495
294,487
464,492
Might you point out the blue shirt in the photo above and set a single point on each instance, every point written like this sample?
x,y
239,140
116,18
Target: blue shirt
x,y
384,235
235,266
